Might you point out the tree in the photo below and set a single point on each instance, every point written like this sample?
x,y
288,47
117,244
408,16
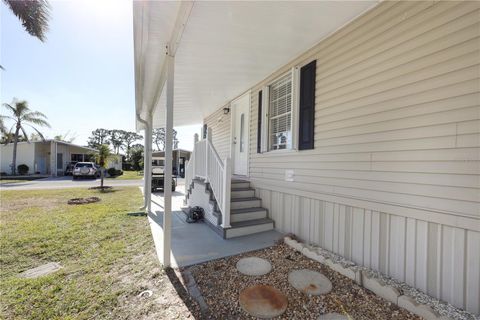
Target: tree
x,y
115,139
159,138
136,156
7,137
102,158
3,129
34,15
128,138
98,137
64,137
35,137
23,116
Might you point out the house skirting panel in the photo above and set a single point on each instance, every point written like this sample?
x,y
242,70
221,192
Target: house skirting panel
x,y
200,197
439,259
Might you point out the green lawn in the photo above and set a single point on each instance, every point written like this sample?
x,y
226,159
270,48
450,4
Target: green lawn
x,y
128,175
107,255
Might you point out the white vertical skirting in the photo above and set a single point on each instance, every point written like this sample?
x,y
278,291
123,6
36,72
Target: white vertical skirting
x,y
441,260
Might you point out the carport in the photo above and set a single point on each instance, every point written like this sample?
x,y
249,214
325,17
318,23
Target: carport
x,y
200,55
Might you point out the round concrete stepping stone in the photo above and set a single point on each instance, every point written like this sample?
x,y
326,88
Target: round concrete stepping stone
x,y
253,266
263,301
310,282
334,316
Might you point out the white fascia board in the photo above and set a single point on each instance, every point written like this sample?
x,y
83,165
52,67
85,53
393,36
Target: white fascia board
x,y
147,102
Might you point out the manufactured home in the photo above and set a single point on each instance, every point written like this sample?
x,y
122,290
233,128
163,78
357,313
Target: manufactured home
x,y
353,125
49,157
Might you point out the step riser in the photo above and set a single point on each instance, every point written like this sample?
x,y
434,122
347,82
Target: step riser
x,y
240,185
248,216
245,204
238,232
243,194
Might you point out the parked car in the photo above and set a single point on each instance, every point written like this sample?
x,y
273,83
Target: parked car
x,y
158,179
69,168
84,169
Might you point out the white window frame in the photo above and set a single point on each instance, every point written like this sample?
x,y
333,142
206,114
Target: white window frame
x,y
265,146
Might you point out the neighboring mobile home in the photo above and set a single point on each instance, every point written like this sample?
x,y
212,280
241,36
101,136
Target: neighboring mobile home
x,y
49,157
353,125
180,158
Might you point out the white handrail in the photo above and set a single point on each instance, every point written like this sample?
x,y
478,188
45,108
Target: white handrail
x,y
205,163
189,172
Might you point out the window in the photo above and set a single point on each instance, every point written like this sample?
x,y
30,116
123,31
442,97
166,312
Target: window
x,y
158,162
75,157
84,165
242,132
286,111
60,161
280,113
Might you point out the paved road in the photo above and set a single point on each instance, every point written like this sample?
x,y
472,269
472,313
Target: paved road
x,y
66,182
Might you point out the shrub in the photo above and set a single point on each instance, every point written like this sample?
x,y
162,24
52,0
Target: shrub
x,y
112,172
22,169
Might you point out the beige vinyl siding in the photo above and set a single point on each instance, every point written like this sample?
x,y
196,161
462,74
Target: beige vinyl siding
x,y
220,124
397,111
393,182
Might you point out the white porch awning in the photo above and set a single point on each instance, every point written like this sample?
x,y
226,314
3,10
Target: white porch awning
x,y
224,48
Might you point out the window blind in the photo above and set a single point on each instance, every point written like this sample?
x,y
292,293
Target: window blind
x,y
280,113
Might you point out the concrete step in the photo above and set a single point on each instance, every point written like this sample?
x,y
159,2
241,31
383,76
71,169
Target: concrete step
x,y
243,228
243,193
240,184
238,215
242,203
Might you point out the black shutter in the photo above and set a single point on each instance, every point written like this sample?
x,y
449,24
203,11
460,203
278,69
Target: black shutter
x,y
259,123
307,106
205,128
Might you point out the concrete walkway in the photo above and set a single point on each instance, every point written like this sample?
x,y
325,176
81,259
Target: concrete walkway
x,y
194,243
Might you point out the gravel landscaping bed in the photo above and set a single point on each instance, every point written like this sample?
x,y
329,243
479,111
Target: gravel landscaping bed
x,y
220,285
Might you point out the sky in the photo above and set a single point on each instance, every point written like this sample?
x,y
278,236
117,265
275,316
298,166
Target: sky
x,y
82,77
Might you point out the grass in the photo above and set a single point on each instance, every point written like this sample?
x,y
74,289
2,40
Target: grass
x,y
107,255
128,175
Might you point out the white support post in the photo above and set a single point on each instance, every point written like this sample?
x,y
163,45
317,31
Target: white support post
x,y
209,140
195,141
167,187
227,182
147,164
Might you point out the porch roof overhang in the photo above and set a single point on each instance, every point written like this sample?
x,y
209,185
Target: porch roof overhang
x,y
222,49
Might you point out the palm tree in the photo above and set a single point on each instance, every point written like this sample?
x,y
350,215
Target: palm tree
x,y
102,157
22,116
34,15
3,129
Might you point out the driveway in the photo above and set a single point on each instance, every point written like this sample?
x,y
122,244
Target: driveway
x,y
67,182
